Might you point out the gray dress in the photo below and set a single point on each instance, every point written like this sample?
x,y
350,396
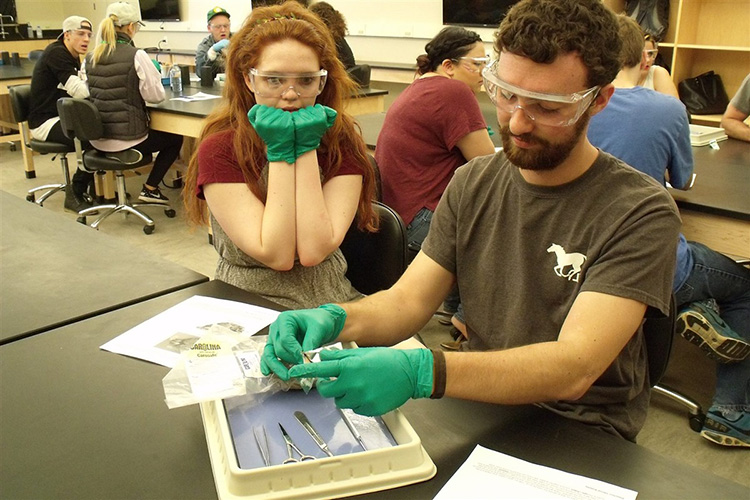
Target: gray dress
x,y
299,288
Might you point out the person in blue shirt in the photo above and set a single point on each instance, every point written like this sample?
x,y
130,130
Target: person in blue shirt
x,y
211,50
649,131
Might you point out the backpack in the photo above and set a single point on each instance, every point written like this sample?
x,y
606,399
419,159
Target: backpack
x,y
652,15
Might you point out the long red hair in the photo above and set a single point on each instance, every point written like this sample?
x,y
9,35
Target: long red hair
x,y
264,26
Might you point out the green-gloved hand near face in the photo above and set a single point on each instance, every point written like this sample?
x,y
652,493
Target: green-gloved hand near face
x,y
297,331
373,380
309,126
276,128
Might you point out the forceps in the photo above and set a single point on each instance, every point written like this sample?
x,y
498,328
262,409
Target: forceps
x,y
262,444
291,446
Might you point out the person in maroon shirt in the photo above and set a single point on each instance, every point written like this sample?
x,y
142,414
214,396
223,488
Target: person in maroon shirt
x,y
432,128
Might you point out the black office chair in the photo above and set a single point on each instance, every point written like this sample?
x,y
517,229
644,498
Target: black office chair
x,y
360,73
19,99
378,181
376,260
35,55
81,121
659,333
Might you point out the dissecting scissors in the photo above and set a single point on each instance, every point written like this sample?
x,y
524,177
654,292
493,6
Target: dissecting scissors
x,y
291,446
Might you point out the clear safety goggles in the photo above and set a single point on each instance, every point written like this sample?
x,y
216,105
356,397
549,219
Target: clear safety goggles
x,y
556,110
272,84
651,53
474,64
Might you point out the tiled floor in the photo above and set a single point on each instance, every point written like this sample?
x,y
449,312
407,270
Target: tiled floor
x,y
666,431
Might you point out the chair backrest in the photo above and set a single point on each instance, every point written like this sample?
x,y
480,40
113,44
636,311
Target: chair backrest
x,y
376,260
35,54
19,101
658,331
360,73
79,119
378,182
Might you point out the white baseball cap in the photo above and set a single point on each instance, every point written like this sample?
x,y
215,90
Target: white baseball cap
x,y
74,23
125,13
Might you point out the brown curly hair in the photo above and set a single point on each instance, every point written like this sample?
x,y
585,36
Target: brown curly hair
x,y
264,26
542,30
332,18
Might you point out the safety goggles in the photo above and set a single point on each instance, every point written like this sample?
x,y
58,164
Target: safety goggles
x,y
271,84
474,64
651,53
556,110
221,26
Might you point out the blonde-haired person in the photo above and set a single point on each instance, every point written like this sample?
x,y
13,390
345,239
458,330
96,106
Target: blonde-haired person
x,y
121,79
653,76
280,165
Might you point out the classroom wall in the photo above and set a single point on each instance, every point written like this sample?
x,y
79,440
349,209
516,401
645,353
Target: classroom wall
x,y
380,30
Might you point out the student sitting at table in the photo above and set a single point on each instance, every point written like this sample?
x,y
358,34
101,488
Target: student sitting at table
x,y
212,50
658,142
651,75
433,127
558,249
738,109
280,165
56,75
121,79
337,24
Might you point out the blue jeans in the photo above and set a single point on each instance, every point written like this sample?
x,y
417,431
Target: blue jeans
x,y
416,232
728,283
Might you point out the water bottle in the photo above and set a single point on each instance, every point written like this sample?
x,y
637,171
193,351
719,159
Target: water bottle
x,y
38,31
30,31
175,79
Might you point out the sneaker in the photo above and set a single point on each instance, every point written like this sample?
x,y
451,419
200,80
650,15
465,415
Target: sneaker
x,y
74,202
154,196
720,430
703,327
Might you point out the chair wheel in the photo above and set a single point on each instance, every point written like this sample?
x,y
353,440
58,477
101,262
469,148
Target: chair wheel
x,y
696,422
148,229
12,146
82,220
30,198
170,212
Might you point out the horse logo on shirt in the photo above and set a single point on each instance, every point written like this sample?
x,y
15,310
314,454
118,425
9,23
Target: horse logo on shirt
x,y
573,261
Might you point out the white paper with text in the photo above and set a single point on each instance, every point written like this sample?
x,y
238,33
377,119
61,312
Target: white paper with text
x,y
490,474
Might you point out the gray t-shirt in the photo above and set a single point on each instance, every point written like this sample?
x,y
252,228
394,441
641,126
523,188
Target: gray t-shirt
x,y
741,99
522,254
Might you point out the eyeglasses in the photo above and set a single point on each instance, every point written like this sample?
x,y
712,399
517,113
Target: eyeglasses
x,y
270,84
555,110
221,26
475,64
651,53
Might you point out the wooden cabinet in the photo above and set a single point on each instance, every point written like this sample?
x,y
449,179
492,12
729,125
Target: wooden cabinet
x,y
709,35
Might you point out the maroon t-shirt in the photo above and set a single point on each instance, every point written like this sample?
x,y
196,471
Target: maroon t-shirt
x,y
416,150
218,163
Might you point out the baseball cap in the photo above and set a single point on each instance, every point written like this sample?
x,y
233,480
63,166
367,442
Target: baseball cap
x,y
74,23
125,13
216,10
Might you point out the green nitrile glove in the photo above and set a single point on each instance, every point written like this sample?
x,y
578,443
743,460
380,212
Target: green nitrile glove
x,y
157,65
311,328
276,128
309,126
490,131
373,380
